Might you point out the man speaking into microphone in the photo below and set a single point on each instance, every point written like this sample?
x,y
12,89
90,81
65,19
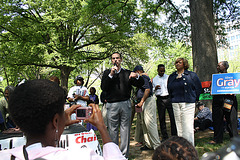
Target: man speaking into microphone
x,y
117,83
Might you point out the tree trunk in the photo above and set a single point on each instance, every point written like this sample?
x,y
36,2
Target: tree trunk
x,y
65,72
203,39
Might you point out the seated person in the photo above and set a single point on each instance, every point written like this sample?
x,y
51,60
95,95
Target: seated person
x,y
42,119
175,148
203,120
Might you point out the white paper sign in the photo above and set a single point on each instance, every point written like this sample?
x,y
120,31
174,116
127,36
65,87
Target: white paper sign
x,y
67,141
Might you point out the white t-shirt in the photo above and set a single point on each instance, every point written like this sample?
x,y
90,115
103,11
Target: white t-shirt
x,y
79,90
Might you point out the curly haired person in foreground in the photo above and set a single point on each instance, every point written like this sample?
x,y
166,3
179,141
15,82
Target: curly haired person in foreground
x,y
42,119
175,148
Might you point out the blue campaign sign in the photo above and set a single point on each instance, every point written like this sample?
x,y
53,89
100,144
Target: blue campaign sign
x,y
226,83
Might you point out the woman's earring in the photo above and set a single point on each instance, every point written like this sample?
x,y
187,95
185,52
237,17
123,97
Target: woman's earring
x,y
56,138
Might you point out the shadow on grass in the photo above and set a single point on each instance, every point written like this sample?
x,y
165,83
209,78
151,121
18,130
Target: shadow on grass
x,y
202,139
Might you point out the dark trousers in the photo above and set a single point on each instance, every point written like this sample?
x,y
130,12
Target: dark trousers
x,y
164,103
218,114
202,124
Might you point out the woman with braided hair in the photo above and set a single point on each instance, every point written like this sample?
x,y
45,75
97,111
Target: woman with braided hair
x,y
175,148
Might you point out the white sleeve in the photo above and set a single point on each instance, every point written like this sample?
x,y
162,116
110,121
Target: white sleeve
x,y
70,93
153,83
112,152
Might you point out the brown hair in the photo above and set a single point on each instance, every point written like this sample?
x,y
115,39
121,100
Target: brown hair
x,y
185,62
175,148
118,54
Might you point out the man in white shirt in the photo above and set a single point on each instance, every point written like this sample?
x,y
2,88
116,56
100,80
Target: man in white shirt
x,y
163,102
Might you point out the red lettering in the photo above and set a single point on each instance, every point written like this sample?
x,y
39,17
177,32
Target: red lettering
x,y
81,139
77,140
90,139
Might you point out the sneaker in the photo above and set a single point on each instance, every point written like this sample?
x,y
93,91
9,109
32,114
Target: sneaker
x,y
145,148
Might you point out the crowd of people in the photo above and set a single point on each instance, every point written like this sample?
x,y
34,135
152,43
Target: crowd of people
x,y
177,93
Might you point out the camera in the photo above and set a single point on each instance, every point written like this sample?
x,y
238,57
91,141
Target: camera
x,y
83,112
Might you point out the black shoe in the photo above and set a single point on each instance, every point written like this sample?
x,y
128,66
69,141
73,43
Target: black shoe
x,y
145,148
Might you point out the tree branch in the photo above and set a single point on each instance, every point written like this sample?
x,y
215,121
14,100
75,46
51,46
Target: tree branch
x,y
181,16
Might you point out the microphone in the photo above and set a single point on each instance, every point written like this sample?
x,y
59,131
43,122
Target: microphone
x,y
115,64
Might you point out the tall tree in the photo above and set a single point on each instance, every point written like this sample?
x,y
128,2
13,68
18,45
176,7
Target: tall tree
x,y
207,23
61,34
204,48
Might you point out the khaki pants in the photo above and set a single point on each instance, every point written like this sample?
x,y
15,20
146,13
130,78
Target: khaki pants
x,y
150,130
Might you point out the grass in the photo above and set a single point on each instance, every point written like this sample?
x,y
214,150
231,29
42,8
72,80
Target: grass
x,y
203,137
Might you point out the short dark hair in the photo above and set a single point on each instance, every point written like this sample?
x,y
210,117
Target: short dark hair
x,y
117,53
161,65
93,88
185,62
175,148
34,103
225,64
199,103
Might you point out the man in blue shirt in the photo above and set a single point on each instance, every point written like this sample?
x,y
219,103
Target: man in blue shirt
x,y
148,104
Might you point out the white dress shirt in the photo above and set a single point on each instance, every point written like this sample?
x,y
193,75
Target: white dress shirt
x,y
162,81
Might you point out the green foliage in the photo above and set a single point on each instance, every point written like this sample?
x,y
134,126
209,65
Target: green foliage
x,y
167,56
171,22
61,36
66,34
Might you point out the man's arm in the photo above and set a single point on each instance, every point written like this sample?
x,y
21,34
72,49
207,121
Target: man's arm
x,y
155,86
105,80
145,96
83,98
136,80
